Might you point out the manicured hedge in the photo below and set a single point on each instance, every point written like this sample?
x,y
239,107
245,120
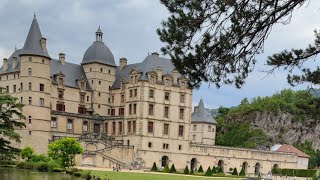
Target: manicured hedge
x,y
295,172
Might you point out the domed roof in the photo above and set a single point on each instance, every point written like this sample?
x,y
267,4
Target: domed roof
x,y
98,52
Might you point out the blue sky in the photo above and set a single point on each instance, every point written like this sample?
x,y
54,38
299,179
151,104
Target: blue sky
x,y
129,31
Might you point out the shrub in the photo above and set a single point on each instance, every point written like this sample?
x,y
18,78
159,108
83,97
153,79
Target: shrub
x,y
7,162
235,172
200,169
220,170
27,153
208,172
86,174
42,166
78,174
72,170
154,167
191,171
166,169
186,170
39,158
173,169
276,171
242,173
25,165
214,170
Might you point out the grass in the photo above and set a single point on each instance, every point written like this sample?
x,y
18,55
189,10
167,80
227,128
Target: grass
x,y
148,176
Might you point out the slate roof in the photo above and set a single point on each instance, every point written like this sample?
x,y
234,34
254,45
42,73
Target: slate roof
x,y
202,115
72,73
10,69
149,64
290,149
32,45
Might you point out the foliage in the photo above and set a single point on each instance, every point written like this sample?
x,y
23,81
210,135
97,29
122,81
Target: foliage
x,y
234,125
220,170
235,172
40,166
217,41
7,162
154,167
307,147
200,169
86,174
208,172
64,151
186,170
242,173
27,153
191,171
275,171
10,118
166,169
25,165
173,169
39,158
214,170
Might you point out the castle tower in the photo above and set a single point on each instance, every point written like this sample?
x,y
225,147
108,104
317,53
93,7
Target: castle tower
x,y
203,126
99,66
35,91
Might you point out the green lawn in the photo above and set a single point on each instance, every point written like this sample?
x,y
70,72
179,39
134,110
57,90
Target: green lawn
x,y
147,176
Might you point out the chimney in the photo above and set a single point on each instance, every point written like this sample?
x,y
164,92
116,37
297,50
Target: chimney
x,y
44,43
196,109
175,76
5,64
14,62
159,73
155,54
123,62
62,58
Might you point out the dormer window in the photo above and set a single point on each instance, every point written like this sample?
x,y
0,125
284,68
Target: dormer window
x,y
183,85
152,80
60,81
167,82
82,85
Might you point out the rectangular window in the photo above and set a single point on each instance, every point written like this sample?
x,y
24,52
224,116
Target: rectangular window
x,y
166,111
41,87
96,128
82,110
30,119
130,109
21,100
182,98
53,122
135,92
30,86
82,98
42,102
14,88
180,147
131,94
112,99
60,94
87,98
85,126
122,98
167,96
8,89
150,109
30,71
134,126
134,108
150,127
193,137
121,111
113,127
120,128
166,129
165,146
151,93
181,130
21,86
30,100
60,107
194,127
181,113
70,124
209,128
149,145
106,127
129,126
113,112
82,85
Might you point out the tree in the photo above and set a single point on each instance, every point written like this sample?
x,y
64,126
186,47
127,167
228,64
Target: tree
x,y
242,173
10,118
208,172
173,169
27,153
214,170
220,170
186,170
200,169
166,169
64,151
235,172
217,41
154,167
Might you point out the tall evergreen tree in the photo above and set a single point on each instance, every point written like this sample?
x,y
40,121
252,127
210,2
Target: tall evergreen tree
x,y
186,170
217,41
200,169
11,117
208,172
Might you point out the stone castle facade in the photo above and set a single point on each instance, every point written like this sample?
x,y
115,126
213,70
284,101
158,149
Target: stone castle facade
x,y
122,114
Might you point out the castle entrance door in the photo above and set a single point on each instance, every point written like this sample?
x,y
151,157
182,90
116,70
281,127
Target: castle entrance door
x,y
96,128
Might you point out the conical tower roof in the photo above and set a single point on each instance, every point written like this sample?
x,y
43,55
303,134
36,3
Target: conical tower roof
x,y
32,45
202,115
